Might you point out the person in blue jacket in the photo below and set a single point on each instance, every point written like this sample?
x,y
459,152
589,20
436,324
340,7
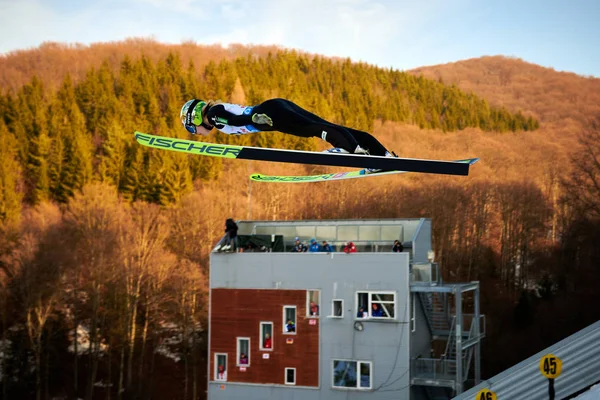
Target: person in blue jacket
x,y
326,247
314,246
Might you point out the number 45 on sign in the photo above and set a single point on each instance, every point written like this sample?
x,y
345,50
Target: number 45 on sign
x,y
550,366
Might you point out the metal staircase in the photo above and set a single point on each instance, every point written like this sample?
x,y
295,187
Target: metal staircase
x,y
448,371
436,312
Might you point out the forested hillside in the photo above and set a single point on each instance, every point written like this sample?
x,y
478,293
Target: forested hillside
x,y
549,95
105,238
63,139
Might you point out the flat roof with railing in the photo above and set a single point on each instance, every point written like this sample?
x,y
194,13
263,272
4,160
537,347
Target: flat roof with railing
x,y
368,233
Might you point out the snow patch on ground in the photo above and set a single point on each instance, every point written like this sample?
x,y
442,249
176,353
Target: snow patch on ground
x,y
168,326
172,339
17,328
103,384
83,341
164,347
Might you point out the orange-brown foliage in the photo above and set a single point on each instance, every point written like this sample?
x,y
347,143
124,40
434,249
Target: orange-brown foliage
x,y
551,96
52,61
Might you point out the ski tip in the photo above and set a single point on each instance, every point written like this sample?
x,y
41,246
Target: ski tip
x,y
469,161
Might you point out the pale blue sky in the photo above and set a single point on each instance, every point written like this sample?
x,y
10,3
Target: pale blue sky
x,y
402,34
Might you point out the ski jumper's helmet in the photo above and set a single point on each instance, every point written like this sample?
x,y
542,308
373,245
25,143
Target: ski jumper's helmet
x,y
191,114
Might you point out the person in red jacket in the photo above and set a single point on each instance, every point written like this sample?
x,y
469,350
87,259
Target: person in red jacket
x,y
350,248
268,344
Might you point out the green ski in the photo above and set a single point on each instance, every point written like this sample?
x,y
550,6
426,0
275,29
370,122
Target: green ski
x,y
334,176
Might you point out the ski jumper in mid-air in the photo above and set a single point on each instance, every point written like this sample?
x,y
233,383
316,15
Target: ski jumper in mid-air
x,y
199,117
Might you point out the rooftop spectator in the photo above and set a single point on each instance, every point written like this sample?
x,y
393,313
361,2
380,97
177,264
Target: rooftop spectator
x,y
350,248
314,246
325,247
398,248
229,241
299,247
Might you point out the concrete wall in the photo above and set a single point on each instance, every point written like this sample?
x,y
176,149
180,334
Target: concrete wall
x,y
385,343
421,241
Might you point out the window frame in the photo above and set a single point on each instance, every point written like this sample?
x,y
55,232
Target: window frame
x,y
216,367
285,372
370,302
358,364
285,320
333,308
261,337
238,352
413,316
308,303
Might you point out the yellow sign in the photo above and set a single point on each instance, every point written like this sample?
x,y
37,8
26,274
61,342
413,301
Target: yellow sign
x,y
485,394
550,366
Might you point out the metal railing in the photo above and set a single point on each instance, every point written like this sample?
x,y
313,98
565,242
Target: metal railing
x,y
427,273
433,368
468,320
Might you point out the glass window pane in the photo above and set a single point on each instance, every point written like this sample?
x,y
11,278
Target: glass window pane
x,y
382,297
368,232
344,373
288,232
365,375
347,232
289,325
337,308
362,308
326,233
305,232
266,336
221,368
313,295
243,351
313,305
391,232
264,230
290,375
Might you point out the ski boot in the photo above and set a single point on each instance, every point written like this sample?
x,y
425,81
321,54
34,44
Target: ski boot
x,y
368,171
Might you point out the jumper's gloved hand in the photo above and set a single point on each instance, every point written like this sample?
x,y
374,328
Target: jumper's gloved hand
x,y
262,119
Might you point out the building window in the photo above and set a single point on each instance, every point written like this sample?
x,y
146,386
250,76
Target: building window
x,y
220,366
377,305
337,308
289,320
266,336
313,302
350,374
290,376
243,352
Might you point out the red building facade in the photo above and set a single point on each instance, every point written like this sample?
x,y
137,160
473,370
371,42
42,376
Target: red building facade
x,y
242,321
